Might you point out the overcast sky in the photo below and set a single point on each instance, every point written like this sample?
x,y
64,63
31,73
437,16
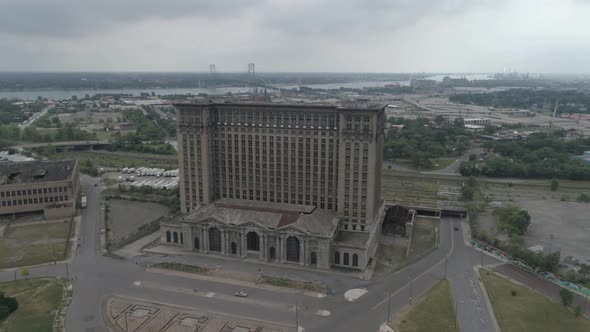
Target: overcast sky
x,y
295,35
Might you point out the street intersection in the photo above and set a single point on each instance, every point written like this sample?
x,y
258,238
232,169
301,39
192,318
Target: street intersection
x,y
96,277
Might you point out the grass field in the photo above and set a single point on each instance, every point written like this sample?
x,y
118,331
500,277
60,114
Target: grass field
x,y
181,267
38,301
528,310
433,311
33,244
289,283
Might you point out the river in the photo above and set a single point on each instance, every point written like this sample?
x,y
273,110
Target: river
x,y
56,94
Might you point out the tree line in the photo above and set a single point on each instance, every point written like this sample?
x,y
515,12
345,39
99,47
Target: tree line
x,y
540,155
569,100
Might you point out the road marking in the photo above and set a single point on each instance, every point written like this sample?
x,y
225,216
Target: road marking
x,y
352,295
225,297
421,274
323,313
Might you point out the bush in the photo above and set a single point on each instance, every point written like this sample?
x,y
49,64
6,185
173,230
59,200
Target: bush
x,y
554,185
567,297
578,311
513,292
584,198
7,306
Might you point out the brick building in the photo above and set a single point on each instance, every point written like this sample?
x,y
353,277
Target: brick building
x,y
284,183
48,186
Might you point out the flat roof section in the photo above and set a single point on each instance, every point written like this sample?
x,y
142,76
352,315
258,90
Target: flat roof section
x,y
35,171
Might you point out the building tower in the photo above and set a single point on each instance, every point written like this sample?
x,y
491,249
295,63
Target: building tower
x,y
251,71
212,68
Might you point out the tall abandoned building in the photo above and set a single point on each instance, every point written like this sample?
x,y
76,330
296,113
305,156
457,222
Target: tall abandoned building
x,y
282,183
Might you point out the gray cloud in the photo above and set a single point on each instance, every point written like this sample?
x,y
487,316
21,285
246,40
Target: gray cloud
x,y
81,17
295,35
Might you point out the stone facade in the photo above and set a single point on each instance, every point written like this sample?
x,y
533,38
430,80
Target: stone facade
x,y
328,158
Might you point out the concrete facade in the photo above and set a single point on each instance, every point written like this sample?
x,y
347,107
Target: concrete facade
x,y
328,158
48,186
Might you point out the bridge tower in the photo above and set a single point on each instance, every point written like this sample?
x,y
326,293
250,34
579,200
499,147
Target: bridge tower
x,y
212,68
251,71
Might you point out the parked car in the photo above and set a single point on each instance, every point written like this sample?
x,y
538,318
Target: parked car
x,y
241,294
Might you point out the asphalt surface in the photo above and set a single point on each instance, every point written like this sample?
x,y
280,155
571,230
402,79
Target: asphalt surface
x,y
95,277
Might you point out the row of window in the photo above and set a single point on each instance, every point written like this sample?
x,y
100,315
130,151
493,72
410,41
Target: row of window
x,y
297,118
34,191
346,259
35,200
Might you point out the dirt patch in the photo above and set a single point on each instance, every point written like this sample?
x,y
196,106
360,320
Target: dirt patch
x,y
291,283
126,217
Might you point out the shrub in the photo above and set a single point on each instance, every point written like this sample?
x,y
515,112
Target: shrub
x,y
584,198
513,292
567,297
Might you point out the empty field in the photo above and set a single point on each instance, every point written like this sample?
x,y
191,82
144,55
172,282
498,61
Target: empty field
x,y
33,244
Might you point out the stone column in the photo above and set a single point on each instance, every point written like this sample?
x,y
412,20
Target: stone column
x,y
261,247
206,239
243,250
280,249
302,252
223,241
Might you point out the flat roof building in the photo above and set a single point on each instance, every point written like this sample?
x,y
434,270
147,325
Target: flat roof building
x,y
284,183
48,186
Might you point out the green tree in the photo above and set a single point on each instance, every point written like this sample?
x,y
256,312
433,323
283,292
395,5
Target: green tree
x,y
567,297
514,220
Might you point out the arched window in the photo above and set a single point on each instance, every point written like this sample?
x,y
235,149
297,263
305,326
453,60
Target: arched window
x,y
234,248
314,258
336,257
355,260
181,238
168,237
197,243
346,258
292,249
253,241
175,235
214,239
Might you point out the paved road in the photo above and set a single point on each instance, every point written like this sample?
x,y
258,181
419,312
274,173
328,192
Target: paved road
x,y
96,276
37,116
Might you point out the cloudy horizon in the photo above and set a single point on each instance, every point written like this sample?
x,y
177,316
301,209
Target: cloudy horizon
x,y
546,36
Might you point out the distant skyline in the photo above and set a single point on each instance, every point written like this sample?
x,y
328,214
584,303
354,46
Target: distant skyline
x,y
389,36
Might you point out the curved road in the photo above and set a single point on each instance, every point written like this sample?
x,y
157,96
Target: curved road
x,y
94,277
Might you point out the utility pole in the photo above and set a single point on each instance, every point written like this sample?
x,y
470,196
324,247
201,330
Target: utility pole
x,y
456,313
481,263
388,307
411,292
297,315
